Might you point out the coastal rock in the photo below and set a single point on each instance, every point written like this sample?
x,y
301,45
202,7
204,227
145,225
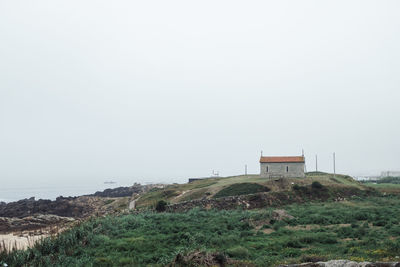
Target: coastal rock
x,y
126,191
279,215
344,263
65,207
8,225
120,191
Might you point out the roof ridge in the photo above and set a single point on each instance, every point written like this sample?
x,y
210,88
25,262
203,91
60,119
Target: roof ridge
x,y
279,159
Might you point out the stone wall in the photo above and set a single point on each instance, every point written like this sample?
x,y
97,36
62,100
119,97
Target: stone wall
x,y
285,170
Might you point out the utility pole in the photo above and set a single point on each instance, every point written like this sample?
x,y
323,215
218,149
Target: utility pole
x,y
316,163
334,164
245,169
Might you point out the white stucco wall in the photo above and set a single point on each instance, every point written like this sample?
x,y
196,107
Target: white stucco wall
x,y
294,170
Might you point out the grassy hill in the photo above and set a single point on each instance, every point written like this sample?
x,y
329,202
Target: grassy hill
x,y
303,221
358,229
211,187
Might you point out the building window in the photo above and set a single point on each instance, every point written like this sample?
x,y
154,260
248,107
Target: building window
x,y
287,168
267,169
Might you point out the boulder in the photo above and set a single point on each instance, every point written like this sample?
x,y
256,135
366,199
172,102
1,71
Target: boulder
x,y
344,263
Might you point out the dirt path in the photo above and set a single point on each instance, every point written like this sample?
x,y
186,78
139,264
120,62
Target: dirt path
x,y
181,194
132,204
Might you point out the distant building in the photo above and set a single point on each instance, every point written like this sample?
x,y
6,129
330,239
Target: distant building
x,y
282,167
390,174
191,180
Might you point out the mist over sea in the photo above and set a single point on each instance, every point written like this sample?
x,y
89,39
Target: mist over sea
x,y
14,192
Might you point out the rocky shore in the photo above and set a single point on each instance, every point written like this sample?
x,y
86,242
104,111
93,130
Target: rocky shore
x,y
122,191
24,222
31,223
66,207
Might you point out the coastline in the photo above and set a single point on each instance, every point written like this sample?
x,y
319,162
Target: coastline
x,y
24,222
51,192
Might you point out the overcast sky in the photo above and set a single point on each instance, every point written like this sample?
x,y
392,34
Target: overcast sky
x,y
165,90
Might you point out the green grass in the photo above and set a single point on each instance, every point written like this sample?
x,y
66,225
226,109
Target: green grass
x,y
195,194
388,180
385,187
360,229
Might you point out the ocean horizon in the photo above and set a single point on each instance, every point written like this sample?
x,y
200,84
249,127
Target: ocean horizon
x,y
15,193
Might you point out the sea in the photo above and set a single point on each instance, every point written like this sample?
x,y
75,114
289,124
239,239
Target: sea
x,y
14,192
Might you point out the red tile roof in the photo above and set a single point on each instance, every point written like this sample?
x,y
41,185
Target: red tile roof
x,y
281,159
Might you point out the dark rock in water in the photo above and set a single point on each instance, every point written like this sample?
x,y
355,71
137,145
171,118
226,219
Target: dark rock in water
x,y
75,207
66,207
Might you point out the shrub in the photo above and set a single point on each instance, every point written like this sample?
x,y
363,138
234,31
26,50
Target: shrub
x,y
295,243
379,222
221,259
354,225
278,224
238,252
327,239
161,206
361,215
301,189
241,189
316,185
255,198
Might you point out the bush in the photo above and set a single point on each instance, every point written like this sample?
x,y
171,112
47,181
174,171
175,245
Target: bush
x,y
301,189
221,259
161,206
316,185
278,224
379,222
295,243
241,189
238,252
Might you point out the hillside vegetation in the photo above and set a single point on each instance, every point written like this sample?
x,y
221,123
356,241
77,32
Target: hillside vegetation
x,y
320,217
388,185
360,229
239,185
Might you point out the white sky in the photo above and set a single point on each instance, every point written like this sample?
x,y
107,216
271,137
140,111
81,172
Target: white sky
x,y
165,90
